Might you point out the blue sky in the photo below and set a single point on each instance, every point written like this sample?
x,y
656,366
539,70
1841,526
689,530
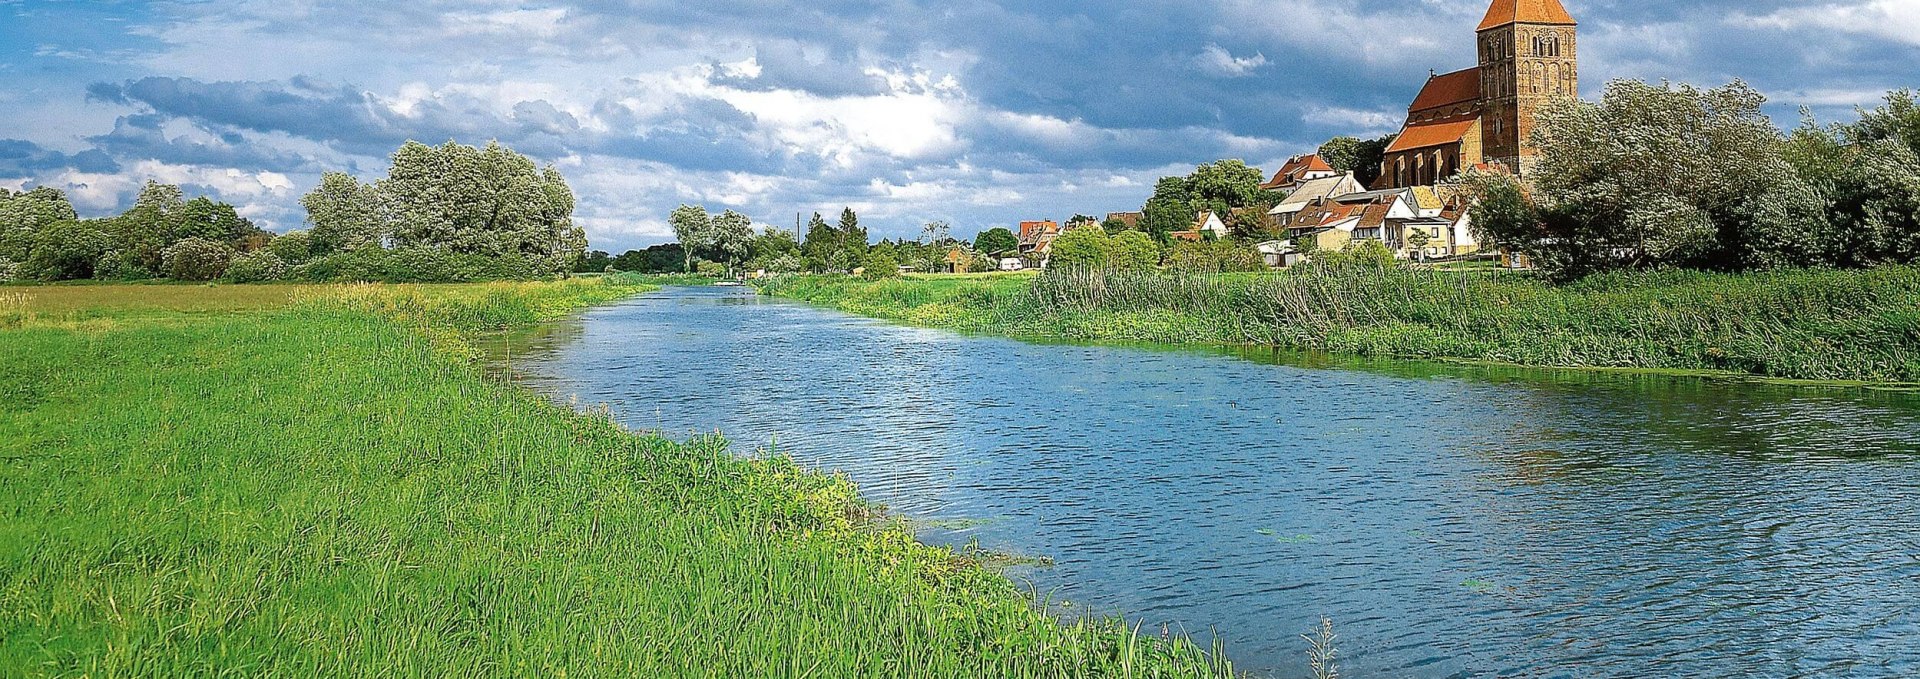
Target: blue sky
x,y
977,112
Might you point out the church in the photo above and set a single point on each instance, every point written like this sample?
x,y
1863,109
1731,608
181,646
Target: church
x,y
1483,115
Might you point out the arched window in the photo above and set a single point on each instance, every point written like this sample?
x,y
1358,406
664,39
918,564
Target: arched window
x,y
1539,74
1554,77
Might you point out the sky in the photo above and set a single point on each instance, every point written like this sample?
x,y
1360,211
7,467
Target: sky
x,y
980,113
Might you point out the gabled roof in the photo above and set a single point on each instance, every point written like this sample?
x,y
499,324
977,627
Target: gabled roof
x,y
1315,189
1438,133
1448,89
1296,169
1504,12
1426,198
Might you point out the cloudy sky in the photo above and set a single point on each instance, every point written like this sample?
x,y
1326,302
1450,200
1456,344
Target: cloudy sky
x,y
979,112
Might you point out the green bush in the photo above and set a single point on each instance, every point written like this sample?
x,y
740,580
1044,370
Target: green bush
x,y
882,265
373,264
196,259
67,251
256,267
121,265
292,247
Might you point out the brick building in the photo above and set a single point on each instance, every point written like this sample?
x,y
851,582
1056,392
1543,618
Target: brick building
x,y
1483,115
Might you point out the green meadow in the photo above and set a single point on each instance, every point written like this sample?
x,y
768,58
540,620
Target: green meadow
x,y
319,481
1855,325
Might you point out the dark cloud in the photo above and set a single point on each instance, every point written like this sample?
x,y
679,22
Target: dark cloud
x,y
21,158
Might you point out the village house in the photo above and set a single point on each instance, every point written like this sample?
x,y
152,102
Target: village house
x,y
1036,244
1299,170
1483,115
1205,223
1283,215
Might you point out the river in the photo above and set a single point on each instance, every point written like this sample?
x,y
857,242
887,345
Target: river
x,y
1452,521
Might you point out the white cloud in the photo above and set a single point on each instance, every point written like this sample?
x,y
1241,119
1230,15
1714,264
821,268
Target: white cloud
x,y
1218,61
1354,119
1896,20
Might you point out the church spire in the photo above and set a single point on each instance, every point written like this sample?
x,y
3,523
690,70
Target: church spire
x,y
1508,12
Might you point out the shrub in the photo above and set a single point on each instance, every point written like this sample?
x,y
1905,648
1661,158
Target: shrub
x,y
882,265
196,259
1082,247
256,267
292,247
67,251
121,265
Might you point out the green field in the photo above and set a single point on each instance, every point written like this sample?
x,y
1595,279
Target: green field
x,y
1800,324
317,481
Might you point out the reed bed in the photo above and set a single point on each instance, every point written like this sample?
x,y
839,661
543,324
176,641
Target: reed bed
x,y
1816,325
312,489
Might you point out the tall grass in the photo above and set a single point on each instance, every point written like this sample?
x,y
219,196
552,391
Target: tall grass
x,y
311,489
1825,325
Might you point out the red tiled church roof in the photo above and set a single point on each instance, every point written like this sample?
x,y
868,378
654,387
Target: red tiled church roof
x,y
1505,12
1427,135
1446,90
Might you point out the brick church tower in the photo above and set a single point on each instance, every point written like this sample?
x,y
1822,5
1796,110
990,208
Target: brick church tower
x,y
1529,55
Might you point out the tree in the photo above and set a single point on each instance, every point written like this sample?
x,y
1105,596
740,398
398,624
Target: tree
x,y
853,237
1114,226
1362,158
1868,175
344,214
1083,248
24,214
196,259
1667,175
487,201
820,244
255,267
293,247
1223,185
731,237
881,264
1341,153
67,250
1170,209
995,241
597,260
1251,222
1133,251
691,226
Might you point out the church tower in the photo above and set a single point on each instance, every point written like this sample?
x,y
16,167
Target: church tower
x,y
1528,57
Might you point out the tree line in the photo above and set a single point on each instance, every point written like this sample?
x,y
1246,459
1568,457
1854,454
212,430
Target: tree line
x,y
442,214
1666,175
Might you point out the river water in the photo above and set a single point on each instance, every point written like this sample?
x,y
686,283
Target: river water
x,y
1451,521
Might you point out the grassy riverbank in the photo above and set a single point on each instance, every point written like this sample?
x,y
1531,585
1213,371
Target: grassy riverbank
x,y
1814,325
317,481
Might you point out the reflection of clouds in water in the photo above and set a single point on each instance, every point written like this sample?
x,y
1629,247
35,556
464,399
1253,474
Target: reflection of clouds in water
x,y
1605,522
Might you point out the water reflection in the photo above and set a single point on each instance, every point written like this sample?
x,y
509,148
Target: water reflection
x,y
1453,520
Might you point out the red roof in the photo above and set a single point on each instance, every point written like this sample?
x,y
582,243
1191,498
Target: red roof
x,y
1449,89
1297,169
1189,236
1505,12
1427,135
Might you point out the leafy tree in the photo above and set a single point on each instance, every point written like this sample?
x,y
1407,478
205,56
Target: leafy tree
x,y
1134,251
196,259
255,267
344,214
24,214
820,244
597,260
731,237
488,201
292,247
1250,222
881,264
1868,175
692,227
1341,153
1616,162
1223,185
996,240
67,250
853,237
1170,209
1114,226
1083,248
667,258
